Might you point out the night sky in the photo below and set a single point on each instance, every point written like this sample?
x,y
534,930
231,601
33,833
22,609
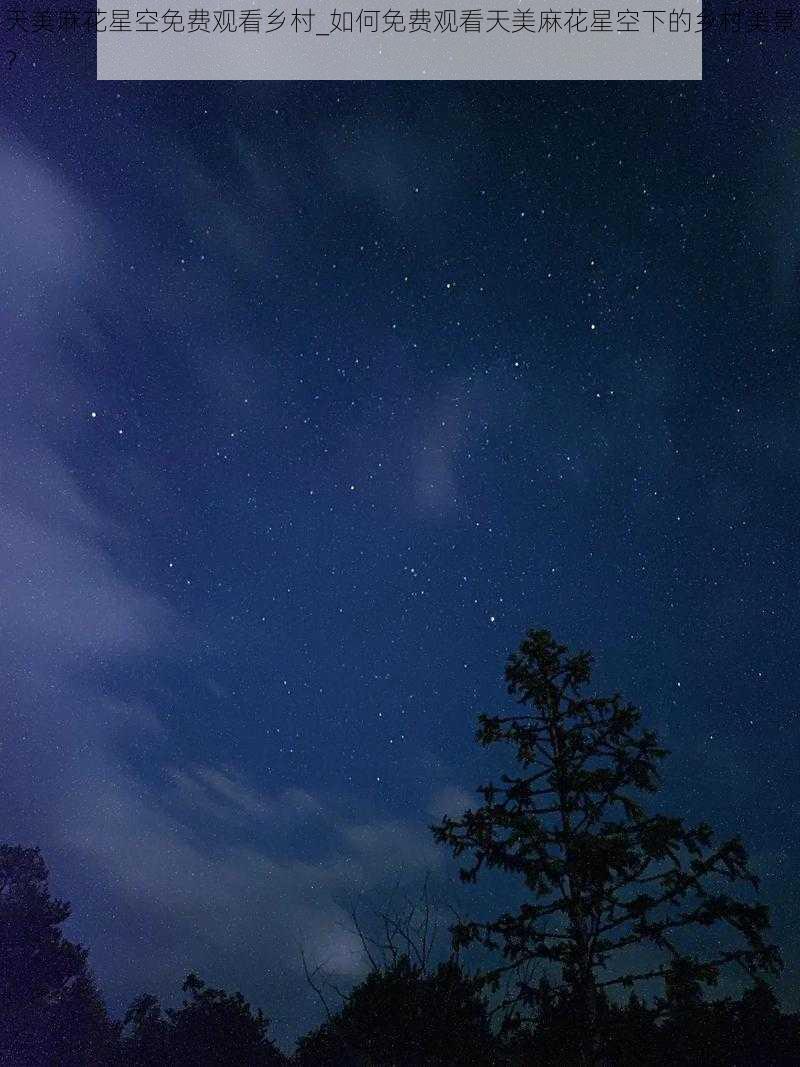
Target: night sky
x,y
314,398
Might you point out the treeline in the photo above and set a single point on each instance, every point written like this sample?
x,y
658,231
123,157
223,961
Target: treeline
x,y
401,1015
629,920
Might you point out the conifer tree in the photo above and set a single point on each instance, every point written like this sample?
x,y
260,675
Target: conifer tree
x,y
614,893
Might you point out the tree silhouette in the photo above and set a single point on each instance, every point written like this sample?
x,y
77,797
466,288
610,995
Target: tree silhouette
x,y
146,1033
550,1038
211,1029
400,1016
614,895
50,1011
680,1029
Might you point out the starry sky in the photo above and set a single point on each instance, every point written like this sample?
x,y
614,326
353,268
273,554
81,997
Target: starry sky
x,y
315,397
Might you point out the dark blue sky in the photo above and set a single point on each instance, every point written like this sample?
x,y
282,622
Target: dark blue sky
x,y
315,397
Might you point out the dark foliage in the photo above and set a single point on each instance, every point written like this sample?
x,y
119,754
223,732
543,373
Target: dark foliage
x,y
401,1017
50,1011
610,893
615,894
210,1029
682,1029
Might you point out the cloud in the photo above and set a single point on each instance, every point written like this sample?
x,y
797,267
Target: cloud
x,y
173,861
243,907
176,850
452,801
227,877
467,414
222,871
46,227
